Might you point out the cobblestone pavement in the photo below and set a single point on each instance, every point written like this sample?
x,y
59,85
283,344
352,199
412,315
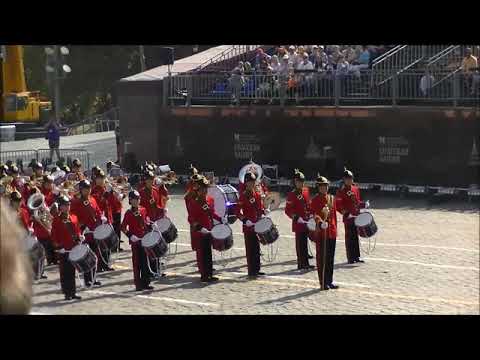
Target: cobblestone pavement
x,y
426,261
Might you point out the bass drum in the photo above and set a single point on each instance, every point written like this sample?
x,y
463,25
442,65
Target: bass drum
x,y
225,199
222,237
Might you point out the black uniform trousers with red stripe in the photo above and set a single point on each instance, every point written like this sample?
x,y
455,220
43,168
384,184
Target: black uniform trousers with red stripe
x,y
117,224
252,249
204,257
67,275
325,260
141,273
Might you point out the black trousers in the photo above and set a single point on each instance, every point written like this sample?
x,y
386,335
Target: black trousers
x,y
117,223
252,248
325,260
204,257
352,245
301,246
49,251
67,275
141,274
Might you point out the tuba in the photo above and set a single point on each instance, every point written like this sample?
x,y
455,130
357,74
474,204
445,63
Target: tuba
x,y
36,204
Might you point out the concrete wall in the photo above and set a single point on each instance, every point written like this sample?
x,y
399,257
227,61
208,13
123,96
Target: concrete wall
x,y
414,146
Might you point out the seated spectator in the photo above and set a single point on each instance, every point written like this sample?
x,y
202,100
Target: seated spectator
x,y
342,66
350,54
364,58
319,58
426,83
292,57
260,57
281,52
274,64
469,64
336,53
247,68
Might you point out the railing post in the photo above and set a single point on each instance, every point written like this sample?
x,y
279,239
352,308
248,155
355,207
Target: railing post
x,y
456,89
165,91
337,90
189,90
394,89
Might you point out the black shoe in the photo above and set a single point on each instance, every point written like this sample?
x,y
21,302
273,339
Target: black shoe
x,y
333,286
120,250
310,256
252,277
149,287
260,273
326,287
44,277
212,279
97,283
88,284
109,269
163,275
359,261
68,298
121,241
76,297
351,262
99,271
204,280
138,289
213,269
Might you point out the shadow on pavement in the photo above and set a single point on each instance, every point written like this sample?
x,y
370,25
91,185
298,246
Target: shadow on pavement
x,y
289,298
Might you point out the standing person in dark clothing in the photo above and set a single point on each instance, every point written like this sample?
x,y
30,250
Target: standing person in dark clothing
x,y
117,140
53,137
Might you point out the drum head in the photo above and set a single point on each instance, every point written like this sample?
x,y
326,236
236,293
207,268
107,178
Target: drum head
x,y
311,224
78,252
102,232
263,225
221,231
150,239
163,224
219,200
363,219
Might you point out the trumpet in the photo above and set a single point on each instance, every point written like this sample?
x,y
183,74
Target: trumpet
x,y
36,203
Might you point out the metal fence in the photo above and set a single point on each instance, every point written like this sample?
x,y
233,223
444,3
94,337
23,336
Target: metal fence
x,y
23,157
321,88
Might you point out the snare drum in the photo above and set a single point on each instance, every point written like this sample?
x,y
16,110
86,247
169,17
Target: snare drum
x,y
155,246
225,198
312,227
106,236
365,224
35,249
82,258
266,230
167,229
222,237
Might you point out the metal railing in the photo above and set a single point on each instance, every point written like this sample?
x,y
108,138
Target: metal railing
x,y
219,62
313,88
23,157
96,123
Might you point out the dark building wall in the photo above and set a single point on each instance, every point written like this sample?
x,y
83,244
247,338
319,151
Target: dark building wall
x,y
414,146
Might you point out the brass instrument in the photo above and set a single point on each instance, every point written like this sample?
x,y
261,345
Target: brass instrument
x,y
41,213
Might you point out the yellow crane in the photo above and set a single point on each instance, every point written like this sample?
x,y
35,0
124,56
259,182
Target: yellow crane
x,y
18,105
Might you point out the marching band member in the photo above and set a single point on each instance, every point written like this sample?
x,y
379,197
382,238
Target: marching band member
x,y
153,198
89,216
298,209
135,226
37,168
325,213
41,232
249,210
77,170
17,182
116,206
349,203
201,212
95,170
103,199
191,193
66,234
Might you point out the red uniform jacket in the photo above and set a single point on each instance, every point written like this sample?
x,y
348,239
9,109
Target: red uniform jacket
x,y
317,204
200,215
39,230
298,205
349,204
24,217
115,204
103,199
242,187
49,196
135,223
89,215
249,207
65,236
154,201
